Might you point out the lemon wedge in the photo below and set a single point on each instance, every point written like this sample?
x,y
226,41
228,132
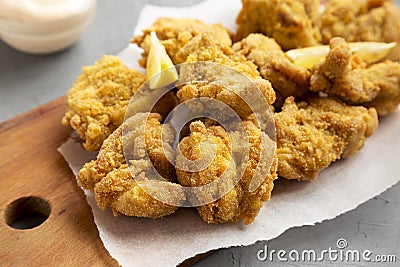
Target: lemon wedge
x,y
368,51
159,67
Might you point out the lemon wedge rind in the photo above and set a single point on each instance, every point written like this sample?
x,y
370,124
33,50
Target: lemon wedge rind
x,y
368,51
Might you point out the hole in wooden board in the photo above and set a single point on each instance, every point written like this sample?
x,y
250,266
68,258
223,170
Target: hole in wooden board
x,y
27,212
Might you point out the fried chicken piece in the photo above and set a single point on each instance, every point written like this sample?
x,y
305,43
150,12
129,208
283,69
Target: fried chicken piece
x,y
97,101
292,23
110,176
310,136
347,77
286,78
126,196
174,33
237,84
237,203
360,20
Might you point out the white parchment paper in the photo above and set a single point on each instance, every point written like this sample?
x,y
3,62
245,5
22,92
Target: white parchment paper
x,y
169,241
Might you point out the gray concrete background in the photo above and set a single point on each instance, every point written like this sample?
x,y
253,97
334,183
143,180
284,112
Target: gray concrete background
x,y
28,81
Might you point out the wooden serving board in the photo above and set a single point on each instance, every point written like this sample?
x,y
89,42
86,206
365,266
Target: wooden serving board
x,y
30,165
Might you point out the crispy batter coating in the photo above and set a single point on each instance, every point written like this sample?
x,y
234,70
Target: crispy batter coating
x,y
174,33
238,204
120,191
97,101
292,23
310,136
110,177
360,20
347,77
203,48
286,78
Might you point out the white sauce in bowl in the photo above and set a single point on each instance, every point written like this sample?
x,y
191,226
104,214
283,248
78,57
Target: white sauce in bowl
x,y
42,10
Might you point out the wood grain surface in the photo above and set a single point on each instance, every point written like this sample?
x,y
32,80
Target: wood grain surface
x,y
30,165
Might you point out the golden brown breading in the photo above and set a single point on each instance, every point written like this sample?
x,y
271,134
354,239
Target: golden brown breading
x,y
110,177
238,204
126,196
310,136
292,23
97,101
203,48
174,33
286,78
347,77
360,20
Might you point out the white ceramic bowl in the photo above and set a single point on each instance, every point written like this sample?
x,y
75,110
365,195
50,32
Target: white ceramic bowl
x,y
45,37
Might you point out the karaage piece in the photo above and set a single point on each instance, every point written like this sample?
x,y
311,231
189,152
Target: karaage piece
x,y
361,20
174,33
237,79
238,203
120,185
347,77
286,78
292,23
97,101
310,136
